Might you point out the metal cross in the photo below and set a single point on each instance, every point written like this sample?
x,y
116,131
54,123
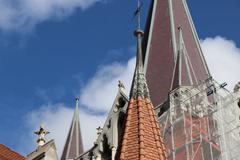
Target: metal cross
x,y
138,13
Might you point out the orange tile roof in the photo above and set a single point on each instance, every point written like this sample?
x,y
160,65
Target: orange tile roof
x,y
8,154
142,138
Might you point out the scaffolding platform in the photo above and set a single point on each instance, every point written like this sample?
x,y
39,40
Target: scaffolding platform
x,y
201,123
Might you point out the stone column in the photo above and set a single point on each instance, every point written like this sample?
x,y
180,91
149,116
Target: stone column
x,y
114,150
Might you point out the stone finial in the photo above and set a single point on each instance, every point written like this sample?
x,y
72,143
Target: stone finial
x,y
41,136
121,85
99,130
237,87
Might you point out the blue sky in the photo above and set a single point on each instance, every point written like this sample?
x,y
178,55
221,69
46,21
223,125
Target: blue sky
x,y
50,56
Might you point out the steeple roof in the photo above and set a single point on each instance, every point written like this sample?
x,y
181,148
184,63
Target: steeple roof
x,y
161,48
142,138
73,145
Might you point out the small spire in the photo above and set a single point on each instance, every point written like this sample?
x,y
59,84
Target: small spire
x,y
190,73
139,84
74,145
41,135
141,126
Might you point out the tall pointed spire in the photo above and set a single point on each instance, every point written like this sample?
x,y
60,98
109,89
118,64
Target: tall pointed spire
x,y
161,48
73,145
184,74
139,84
142,138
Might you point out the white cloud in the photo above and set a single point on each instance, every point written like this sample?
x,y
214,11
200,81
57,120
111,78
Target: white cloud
x,y
99,93
23,15
57,119
223,58
222,55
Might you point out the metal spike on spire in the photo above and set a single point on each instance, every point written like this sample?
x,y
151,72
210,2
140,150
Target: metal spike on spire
x,y
76,113
137,14
139,84
139,34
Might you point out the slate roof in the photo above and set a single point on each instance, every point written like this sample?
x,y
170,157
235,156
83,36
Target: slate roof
x,y
161,47
8,154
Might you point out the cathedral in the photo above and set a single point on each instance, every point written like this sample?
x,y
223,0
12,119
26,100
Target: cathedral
x,y
175,110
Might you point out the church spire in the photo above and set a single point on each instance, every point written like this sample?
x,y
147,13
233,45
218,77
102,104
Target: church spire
x,y
142,138
140,88
73,145
183,70
139,84
161,49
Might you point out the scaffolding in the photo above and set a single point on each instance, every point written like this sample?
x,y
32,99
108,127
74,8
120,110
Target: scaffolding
x,y
202,123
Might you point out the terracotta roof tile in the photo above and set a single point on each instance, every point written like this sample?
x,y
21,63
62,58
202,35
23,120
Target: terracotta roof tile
x,y
142,138
8,154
